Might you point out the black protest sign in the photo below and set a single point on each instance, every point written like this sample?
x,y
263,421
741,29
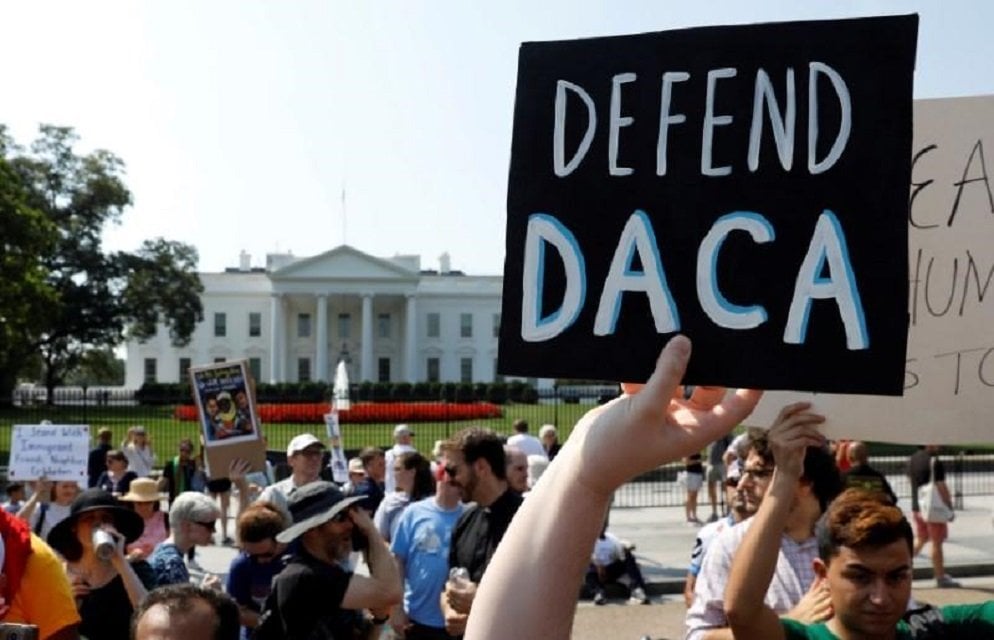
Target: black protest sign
x,y
746,186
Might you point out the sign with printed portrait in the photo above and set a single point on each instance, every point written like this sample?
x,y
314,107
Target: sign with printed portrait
x,y
224,395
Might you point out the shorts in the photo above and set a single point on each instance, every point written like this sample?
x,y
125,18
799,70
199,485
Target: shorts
x,y
716,473
221,485
694,481
934,531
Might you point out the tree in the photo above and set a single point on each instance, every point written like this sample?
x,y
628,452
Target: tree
x,y
97,367
95,296
25,294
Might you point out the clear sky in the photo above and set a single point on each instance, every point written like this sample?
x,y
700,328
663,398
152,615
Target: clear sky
x,y
241,121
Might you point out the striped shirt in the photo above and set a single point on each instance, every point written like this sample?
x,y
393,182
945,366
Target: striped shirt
x,y
792,578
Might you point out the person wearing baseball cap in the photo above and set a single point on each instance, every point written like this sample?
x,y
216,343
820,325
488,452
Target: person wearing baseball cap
x,y
402,436
316,596
303,454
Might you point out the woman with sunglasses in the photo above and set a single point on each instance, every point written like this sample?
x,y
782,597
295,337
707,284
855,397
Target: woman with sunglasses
x,y
106,585
192,520
250,576
117,478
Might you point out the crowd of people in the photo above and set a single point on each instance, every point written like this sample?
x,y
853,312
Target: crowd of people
x,y
796,547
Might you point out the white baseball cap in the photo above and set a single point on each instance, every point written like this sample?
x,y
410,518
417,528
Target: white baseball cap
x,y
301,442
402,429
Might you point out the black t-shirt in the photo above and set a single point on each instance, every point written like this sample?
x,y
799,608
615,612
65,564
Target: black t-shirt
x,y
373,491
919,472
694,464
106,612
122,486
478,532
306,602
96,464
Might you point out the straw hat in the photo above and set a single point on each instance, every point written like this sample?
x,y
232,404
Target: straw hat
x,y
142,490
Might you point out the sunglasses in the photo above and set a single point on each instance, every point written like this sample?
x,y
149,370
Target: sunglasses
x,y
210,526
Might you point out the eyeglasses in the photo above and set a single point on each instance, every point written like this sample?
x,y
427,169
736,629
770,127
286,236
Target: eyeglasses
x,y
759,473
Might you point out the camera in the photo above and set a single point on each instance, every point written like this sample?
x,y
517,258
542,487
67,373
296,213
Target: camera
x,y
12,631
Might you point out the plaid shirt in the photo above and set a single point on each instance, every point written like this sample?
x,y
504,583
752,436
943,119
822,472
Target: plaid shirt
x,y
793,576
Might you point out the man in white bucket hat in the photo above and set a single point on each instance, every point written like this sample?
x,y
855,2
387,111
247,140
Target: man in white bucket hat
x,y
316,595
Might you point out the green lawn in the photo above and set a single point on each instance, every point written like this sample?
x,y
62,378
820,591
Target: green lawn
x,y
166,431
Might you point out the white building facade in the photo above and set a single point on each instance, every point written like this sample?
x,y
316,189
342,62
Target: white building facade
x,y
294,320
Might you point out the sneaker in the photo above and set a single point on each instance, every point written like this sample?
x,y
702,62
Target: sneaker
x,y
945,582
600,598
638,596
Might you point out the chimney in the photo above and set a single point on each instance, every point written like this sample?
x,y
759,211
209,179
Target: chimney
x,y
444,264
244,261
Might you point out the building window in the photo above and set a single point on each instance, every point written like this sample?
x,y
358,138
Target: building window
x,y
255,368
255,324
433,367
344,325
150,373
184,369
220,360
303,369
303,325
497,377
465,325
496,325
220,325
465,369
383,369
434,325
383,325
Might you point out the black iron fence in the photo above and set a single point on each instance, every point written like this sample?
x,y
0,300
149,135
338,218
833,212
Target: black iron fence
x,y
969,472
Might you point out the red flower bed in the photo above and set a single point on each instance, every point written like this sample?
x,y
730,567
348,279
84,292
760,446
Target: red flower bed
x,y
363,412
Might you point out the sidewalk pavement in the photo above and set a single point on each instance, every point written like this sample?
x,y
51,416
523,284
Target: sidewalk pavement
x,y
663,541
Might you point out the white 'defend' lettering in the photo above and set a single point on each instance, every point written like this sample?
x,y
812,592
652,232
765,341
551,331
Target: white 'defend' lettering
x,y
617,121
722,312
711,121
845,124
561,167
637,236
545,229
781,124
828,245
666,118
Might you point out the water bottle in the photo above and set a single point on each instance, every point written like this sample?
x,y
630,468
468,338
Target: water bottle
x,y
459,577
103,544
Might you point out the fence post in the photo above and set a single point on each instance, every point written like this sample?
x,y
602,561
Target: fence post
x,y
958,480
555,405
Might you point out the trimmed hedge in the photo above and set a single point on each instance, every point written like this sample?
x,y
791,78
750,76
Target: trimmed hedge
x,y
162,393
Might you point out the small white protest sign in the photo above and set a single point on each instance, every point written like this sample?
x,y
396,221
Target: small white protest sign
x,y
949,371
55,451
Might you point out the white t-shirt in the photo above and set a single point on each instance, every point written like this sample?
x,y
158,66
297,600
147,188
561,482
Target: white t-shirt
x,y
607,550
527,444
389,482
139,460
54,514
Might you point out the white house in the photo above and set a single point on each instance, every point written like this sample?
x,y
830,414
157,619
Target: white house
x,y
293,321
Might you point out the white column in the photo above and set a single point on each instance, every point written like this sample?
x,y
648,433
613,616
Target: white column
x,y
275,338
411,340
367,338
321,339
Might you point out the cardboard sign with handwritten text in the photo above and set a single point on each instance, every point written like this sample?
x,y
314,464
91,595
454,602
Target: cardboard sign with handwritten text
x,y
57,452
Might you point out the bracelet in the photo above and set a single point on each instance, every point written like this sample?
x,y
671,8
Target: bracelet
x,y
382,620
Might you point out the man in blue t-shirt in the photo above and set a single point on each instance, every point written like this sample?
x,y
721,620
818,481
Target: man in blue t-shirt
x,y
421,546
